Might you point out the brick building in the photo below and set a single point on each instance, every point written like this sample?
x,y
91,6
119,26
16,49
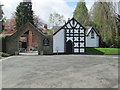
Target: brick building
x,y
28,40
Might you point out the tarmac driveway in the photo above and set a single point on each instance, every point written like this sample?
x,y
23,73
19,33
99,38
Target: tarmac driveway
x,y
62,71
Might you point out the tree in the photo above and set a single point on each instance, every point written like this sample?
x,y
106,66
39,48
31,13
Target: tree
x,y
1,19
55,19
105,22
81,12
38,22
9,24
24,13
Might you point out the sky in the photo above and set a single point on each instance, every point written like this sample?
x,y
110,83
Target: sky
x,y
43,8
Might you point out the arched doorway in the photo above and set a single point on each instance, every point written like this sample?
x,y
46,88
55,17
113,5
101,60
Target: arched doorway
x,y
69,47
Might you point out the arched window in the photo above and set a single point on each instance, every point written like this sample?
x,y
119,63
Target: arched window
x,y
45,42
92,35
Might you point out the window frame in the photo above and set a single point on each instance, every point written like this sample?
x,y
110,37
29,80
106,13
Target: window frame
x,y
46,42
92,35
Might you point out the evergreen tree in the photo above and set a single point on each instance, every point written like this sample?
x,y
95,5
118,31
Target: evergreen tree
x,y
81,12
24,13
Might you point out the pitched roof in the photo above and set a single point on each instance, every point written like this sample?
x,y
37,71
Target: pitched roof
x,y
56,28
88,29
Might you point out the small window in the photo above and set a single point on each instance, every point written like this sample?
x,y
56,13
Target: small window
x,y
45,42
92,35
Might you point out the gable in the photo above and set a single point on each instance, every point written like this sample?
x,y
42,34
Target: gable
x,y
90,30
26,27
73,23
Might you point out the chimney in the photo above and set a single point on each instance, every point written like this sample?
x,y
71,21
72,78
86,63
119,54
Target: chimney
x,y
68,19
26,0
45,27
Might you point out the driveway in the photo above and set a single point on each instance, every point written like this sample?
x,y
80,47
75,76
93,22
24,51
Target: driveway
x,y
62,71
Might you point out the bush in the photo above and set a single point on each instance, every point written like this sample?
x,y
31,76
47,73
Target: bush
x,y
3,37
48,32
4,54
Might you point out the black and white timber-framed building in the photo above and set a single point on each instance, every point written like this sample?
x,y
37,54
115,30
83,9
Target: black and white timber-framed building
x,y
70,38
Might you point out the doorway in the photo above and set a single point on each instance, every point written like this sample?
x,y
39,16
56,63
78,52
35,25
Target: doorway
x,y
69,47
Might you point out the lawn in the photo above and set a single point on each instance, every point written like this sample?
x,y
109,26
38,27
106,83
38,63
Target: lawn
x,y
103,51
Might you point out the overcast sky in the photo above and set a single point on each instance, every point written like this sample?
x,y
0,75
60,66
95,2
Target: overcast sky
x,y
43,8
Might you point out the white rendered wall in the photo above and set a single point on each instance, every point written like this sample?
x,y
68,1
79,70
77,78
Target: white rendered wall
x,y
92,42
58,42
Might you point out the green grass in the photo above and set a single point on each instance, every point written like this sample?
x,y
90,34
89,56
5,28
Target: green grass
x,y
103,51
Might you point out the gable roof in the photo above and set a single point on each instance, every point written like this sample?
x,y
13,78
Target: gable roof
x,y
26,27
58,28
89,29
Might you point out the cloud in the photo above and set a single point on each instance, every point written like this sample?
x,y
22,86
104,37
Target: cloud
x,y
43,8
9,7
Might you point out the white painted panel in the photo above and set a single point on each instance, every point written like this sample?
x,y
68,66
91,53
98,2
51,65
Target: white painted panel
x,y
81,34
76,50
76,34
70,38
76,39
67,30
58,42
81,38
75,23
82,50
82,31
76,44
67,34
76,31
71,34
92,42
71,23
68,25
81,27
77,26
71,31
81,44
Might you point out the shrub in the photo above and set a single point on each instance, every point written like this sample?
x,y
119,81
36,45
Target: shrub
x,y
4,54
3,38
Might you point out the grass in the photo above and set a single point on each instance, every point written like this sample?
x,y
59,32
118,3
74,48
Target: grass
x,y
103,51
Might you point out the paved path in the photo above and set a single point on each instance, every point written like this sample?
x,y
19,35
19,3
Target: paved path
x,y
62,71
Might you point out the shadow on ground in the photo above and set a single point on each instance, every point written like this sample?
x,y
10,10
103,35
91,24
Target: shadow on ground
x,y
93,51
